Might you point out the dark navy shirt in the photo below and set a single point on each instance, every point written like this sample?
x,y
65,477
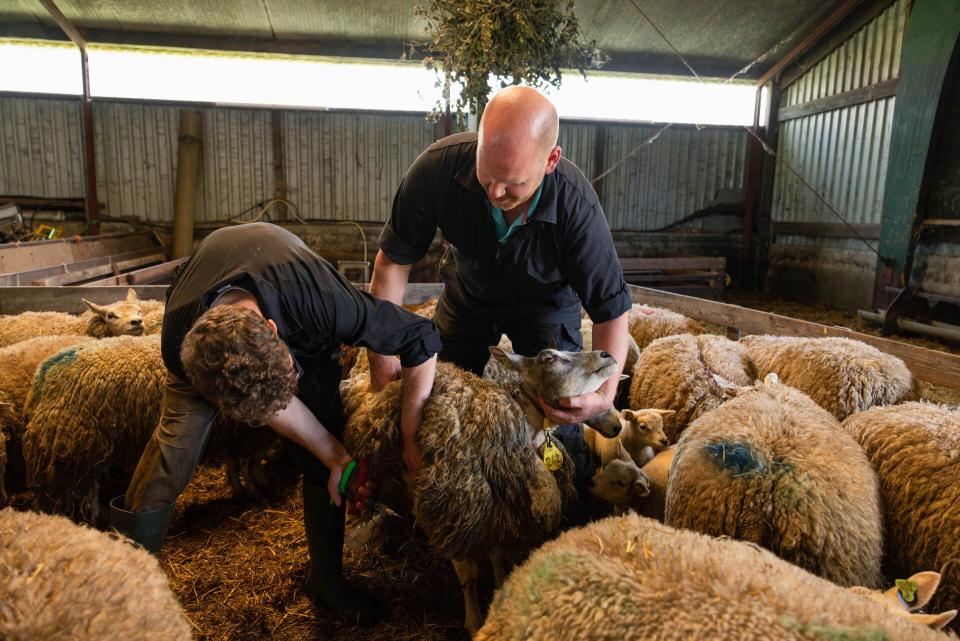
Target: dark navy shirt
x,y
562,256
314,306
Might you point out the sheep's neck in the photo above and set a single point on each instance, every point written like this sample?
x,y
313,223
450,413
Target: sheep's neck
x,y
533,414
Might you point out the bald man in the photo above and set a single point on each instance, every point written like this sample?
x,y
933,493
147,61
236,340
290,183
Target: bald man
x,y
528,243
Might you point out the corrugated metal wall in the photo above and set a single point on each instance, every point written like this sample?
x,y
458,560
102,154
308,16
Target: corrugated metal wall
x,y
682,171
338,166
842,153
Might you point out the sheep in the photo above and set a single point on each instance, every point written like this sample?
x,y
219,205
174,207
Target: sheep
x,y
484,486
427,308
641,435
59,580
18,363
677,373
620,483
657,472
842,375
100,321
91,411
650,323
772,467
630,577
915,448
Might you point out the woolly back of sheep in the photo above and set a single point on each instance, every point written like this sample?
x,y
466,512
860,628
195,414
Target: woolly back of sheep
x,y
915,448
842,375
772,467
631,577
676,373
18,362
92,407
482,485
59,580
649,323
20,327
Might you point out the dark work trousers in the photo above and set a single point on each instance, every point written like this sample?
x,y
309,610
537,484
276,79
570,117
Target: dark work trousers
x,y
468,333
323,522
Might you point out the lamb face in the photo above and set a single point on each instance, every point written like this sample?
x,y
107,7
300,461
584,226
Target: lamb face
x,y
121,318
908,596
620,482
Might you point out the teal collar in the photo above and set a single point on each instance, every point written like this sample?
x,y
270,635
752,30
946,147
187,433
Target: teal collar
x,y
503,230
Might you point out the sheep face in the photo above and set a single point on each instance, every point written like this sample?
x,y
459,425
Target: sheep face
x,y
646,427
120,318
907,597
553,374
620,482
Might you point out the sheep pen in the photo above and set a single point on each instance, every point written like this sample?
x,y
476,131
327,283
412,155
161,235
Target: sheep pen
x,y
915,448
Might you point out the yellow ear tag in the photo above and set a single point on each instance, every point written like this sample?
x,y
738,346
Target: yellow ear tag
x,y
905,587
552,456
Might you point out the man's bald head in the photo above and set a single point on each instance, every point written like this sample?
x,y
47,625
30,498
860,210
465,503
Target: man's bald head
x,y
520,116
516,146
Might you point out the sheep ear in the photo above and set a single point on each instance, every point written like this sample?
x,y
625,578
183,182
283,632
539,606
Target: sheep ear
x,y
665,412
933,621
728,388
622,453
132,296
771,379
628,415
99,310
507,358
624,377
924,585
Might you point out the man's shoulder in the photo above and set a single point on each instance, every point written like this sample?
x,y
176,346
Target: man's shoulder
x,y
465,141
575,189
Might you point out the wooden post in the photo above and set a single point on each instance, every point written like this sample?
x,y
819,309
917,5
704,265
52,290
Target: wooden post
x,y
188,166
928,47
279,165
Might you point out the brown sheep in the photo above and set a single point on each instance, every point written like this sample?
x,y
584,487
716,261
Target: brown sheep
x,y
650,323
677,373
772,467
18,362
91,411
842,375
484,486
116,319
59,580
632,578
915,448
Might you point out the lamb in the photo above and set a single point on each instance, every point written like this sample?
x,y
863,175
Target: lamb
x,y
915,448
641,435
677,373
620,482
772,467
650,323
843,376
657,472
59,580
116,319
630,577
91,411
18,363
484,486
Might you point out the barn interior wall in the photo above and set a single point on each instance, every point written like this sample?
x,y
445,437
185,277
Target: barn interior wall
x,y
345,166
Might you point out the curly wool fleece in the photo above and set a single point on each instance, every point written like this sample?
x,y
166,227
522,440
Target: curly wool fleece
x,y
631,577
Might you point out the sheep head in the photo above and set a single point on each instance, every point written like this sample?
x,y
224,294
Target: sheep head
x,y
116,319
620,482
908,596
646,427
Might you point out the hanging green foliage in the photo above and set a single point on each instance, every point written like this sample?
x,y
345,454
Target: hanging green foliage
x,y
515,41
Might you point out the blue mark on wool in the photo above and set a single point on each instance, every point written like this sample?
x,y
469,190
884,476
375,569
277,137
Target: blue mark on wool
x,y
60,358
737,458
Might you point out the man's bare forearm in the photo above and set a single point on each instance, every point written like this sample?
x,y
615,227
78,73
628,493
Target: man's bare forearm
x,y
417,386
611,337
389,280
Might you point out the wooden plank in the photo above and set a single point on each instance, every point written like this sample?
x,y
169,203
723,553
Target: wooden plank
x,y
14,300
928,47
679,262
939,368
68,278
826,230
859,96
701,277
143,276
18,257
31,276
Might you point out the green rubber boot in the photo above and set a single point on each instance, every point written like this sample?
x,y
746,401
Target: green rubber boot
x,y
146,528
323,524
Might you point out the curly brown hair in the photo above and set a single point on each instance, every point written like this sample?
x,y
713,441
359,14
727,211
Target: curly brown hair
x,y
238,363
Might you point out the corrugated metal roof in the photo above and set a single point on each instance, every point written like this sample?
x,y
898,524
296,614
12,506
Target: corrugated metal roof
x,y
842,153
726,34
